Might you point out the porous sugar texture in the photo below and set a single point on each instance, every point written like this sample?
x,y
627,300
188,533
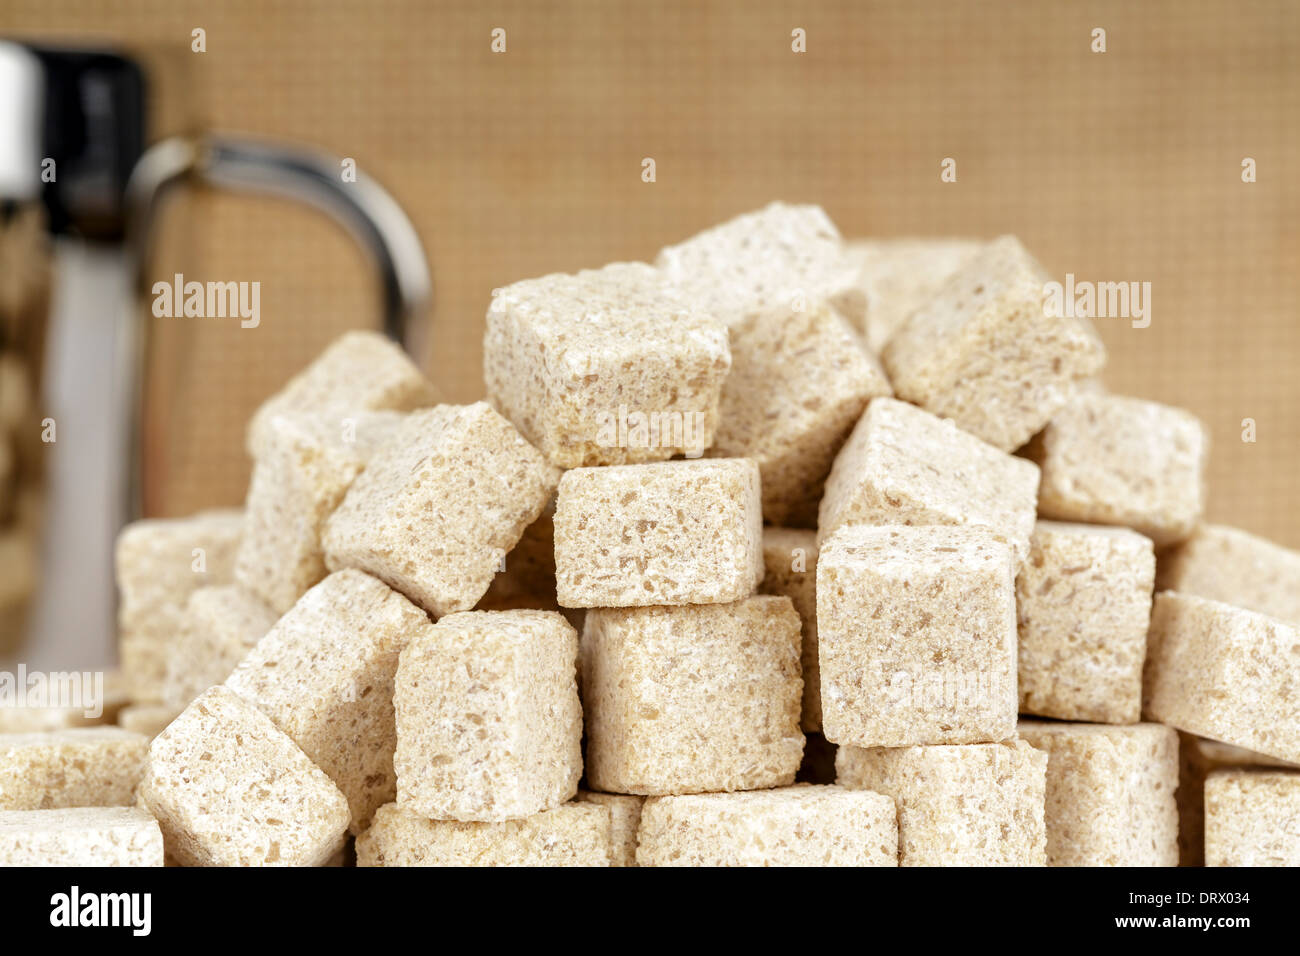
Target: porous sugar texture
x,y
1110,793
1223,672
798,384
1252,818
987,353
606,367
77,767
440,504
489,725
778,260
228,788
896,277
360,371
304,466
1107,459
624,822
219,626
668,533
916,634
1083,599
574,834
159,562
692,699
325,674
902,465
790,563
789,826
977,805
1230,565
80,836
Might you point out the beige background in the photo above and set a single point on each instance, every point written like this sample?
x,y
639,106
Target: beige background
x,y
1115,166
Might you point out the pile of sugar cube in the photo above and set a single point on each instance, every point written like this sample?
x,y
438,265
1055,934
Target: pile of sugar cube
x,y
783,550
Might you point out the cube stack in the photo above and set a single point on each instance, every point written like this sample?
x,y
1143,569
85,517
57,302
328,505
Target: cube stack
x,y
778,551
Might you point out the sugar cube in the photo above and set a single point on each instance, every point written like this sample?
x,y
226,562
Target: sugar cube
x,y
325,674
903,465
987,353
439,505
916,632
606,367
159,562
624,822
147,719
1230,565
1110,793
775,261
896,277
692,699
304,466
574,834
798,384
77,767
790,566
80,836
489,726
360,371
790,826
219,626
976,805
668,533
1223,672
1252,818
1108,459
1083,599
228,788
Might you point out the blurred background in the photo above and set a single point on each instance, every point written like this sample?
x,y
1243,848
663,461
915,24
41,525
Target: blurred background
x,y
1117,166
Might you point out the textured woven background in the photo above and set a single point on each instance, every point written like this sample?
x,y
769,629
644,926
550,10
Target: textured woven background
x,y
1116,166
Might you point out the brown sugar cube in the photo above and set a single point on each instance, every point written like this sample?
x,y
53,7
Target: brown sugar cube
x,y
1223,672
219,626
781,259
1110,793
798,384
1198,759
160,562
437,507
896,277
573,834
624,821
976,805
360,371
903,465
77,767
1107,459
147,719
1252,818
668,533
304,466
790,560
692,699
1083,599
80,836
489,726
610,366
916,633
986,353
789,826
325,675
1230,565
228,788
